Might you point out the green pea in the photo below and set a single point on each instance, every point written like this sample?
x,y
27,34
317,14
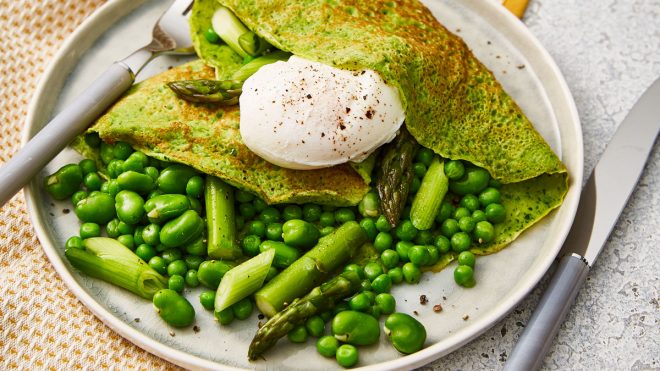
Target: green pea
x,y
419,169
174,178
225,316
382,224
191,278
98,208
414,187
269,215
389,258
495,213
470,202
489,196
145,252
424,237
154,193
272,272
207,299
327,346
129,206
368,206
405,231
137,235
285,255
177,267
64,182
353,267
158,264
243,309
243,196
449,228
326,231
211,272
461,212
196,205
127,240
369,227
171,255
125,228
372,270
311,212
136,182
442,243
454,169
113,187
115,167
478,216
211,36
78,196
383,241
122,150
150,234
315,326
182,229
193,261
419,255
406,334
327,219
291,212
473,181
176,283
250,245
92,181
445,212
92,139
375,311
299,233
153,173
274,231
466,258
136,162
196,247
174,308
298,334
355,328
434,254
347,355
466,224
464,276
247,211
256,227
112,228
460,241
484,232
411,273
360,302
259,204
386,303
88,230
74,242
402,248
424,155
396,274
106,153
344,214
365,285
382,283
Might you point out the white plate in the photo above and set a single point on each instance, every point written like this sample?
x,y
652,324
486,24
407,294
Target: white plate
x,y
496,37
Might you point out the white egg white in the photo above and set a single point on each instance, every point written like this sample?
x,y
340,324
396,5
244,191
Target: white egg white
x,y
301,114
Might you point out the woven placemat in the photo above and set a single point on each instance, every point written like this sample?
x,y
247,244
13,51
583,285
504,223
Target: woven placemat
x,y
42,325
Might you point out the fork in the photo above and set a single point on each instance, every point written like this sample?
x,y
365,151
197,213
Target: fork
x,y
170,36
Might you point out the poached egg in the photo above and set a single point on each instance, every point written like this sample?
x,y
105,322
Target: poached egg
x,y
302,114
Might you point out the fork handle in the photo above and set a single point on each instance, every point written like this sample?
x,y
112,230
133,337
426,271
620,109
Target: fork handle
x,y
61,130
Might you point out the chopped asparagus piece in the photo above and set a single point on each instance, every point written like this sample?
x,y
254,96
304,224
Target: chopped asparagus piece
x,y
107,259
221,221
243,280
428,199
320,299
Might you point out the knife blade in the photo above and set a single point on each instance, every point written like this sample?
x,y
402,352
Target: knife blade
x,y
603,198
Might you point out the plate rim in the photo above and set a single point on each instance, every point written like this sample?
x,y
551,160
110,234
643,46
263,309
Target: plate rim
x,y
422,357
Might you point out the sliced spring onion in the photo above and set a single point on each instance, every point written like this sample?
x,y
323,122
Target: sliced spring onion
x,y
243,280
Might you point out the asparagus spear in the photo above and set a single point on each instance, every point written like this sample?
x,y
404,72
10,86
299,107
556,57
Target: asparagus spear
x,y
220,218
428,199
311,269
395,175
320,299
224,92
109,260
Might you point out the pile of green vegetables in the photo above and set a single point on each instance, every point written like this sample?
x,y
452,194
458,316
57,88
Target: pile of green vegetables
x,y
154,228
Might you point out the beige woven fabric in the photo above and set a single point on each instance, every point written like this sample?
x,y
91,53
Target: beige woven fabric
x,y
42,325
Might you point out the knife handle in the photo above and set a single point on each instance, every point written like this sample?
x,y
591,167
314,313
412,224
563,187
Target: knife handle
x,y
540,332
61,130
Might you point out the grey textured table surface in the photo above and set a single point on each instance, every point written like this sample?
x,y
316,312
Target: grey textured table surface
x,y
609,53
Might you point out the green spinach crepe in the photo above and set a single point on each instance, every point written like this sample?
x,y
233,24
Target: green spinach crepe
x,y
454,105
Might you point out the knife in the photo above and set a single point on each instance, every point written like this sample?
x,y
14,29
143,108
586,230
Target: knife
x,y
603,198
